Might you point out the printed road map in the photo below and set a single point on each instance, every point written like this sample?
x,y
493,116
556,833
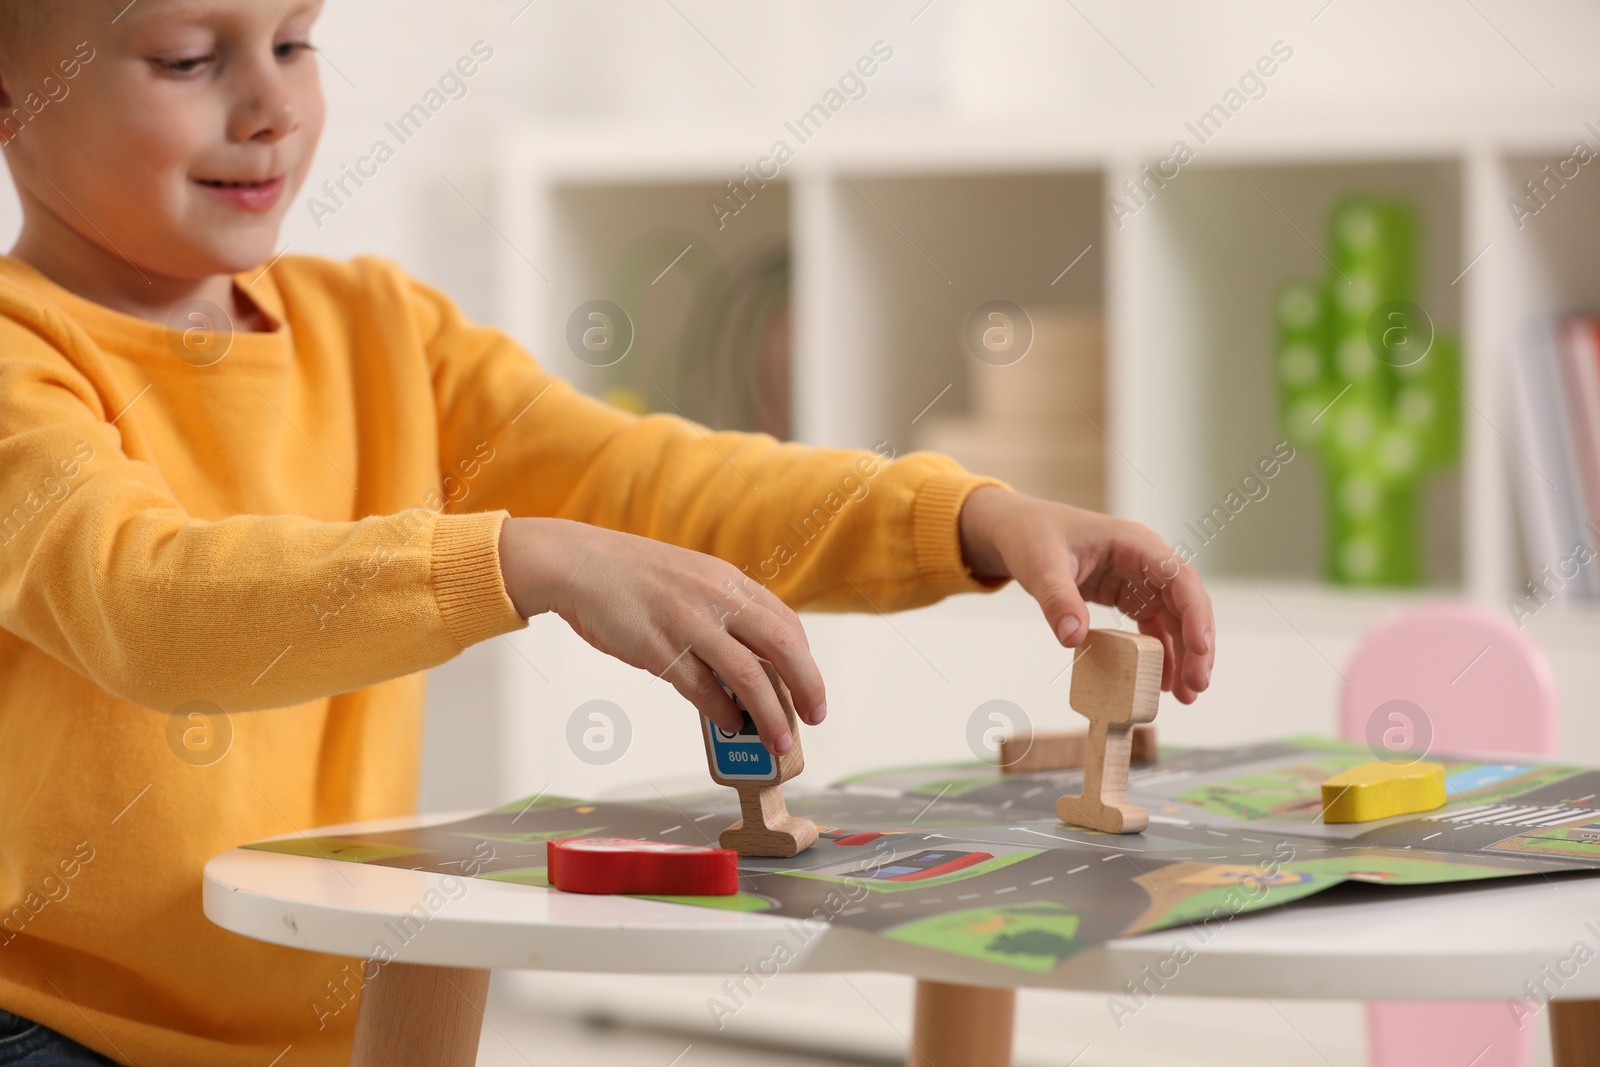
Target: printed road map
x,y
964,859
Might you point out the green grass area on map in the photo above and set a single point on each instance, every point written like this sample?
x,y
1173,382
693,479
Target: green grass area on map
x,y
1032,937
347,849
986,867
1328,744
1578,841
1294,792
539,876
1222,902
1301,878
1291,792
1526,782
1392,870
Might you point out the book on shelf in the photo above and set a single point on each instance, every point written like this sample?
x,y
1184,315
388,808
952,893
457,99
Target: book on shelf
x,y
1555,465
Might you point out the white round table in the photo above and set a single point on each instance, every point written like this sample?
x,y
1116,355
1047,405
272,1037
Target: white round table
x,y
1459,942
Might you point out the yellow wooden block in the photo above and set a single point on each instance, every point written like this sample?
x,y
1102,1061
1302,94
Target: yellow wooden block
x,y
1371,791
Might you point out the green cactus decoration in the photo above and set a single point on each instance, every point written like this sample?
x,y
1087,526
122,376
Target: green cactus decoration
x,y
1368,388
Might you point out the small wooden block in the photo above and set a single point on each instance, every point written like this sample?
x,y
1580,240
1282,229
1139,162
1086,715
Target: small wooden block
x,y
626,865
1372,791
1116,685
741,762
1027,753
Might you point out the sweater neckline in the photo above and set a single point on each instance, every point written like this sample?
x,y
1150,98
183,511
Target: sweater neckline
x,y
132,337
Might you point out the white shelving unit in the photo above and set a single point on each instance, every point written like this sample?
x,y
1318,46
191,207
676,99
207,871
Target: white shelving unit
x,y
897,230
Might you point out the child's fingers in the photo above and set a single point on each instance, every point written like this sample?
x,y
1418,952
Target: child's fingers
x,y
1180,679
697,683
783,645
1188,601
742,672
1154,625
1179,586
1189,616
1049,572
769,600
1166,581
1178,663
1194,667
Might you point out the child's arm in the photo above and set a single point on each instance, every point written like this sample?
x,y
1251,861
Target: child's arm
x,y
821,528
816,527
103,568
683,614
680,550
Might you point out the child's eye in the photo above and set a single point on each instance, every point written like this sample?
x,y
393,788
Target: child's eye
x,y
186,65
287,49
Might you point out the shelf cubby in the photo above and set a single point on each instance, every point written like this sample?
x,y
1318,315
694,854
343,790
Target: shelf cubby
x,y
1212,249
697,288
898,232
917,256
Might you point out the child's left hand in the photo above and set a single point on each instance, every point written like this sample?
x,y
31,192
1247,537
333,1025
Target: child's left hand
x,y
1064,555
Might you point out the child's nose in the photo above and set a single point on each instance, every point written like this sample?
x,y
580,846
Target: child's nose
x,y
266,111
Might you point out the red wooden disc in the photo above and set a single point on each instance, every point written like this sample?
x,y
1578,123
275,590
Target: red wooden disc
x,y
624,865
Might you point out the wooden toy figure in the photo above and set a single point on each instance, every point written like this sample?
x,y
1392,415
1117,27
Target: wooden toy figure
x,y
628,865
1025,753
1116,683
741,761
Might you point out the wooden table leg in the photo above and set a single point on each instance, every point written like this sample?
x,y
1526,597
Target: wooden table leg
x,y
962,1026
416,1016
1575,1032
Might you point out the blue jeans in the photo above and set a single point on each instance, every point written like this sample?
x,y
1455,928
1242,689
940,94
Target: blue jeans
x,y
24,1043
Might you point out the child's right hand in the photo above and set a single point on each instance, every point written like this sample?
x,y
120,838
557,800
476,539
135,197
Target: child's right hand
x,y
679,614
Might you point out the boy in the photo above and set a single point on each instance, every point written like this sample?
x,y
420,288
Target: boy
x,y
360,485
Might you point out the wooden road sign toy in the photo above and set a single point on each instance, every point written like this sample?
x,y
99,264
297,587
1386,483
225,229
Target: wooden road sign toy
x,y
1061,751
626,865
1370,791
1116,684
739,760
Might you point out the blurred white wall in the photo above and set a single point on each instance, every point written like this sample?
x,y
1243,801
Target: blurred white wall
x,y
697,65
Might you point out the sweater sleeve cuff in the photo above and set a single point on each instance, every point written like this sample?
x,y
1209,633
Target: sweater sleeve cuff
x,y
936,530
467,584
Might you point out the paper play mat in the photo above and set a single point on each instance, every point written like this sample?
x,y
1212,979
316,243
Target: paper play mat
x,y
964,859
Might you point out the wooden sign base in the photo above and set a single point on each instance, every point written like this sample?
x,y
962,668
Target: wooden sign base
x,y
767,828
1103,804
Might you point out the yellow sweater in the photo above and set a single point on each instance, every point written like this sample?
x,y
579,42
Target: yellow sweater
x,y
292,534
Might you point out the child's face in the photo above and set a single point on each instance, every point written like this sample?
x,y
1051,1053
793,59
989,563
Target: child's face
x,y
180,145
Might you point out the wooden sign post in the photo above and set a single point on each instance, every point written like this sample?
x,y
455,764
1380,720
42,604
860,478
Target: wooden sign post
x,y
1116,684
740,761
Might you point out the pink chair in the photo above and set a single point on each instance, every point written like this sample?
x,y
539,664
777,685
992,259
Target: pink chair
x,y
1456,679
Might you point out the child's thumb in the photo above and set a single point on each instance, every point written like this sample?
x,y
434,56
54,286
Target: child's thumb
x,y
1062,604
1068,615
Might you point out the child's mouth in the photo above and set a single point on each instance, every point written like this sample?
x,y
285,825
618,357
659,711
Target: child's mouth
x,y
246,195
